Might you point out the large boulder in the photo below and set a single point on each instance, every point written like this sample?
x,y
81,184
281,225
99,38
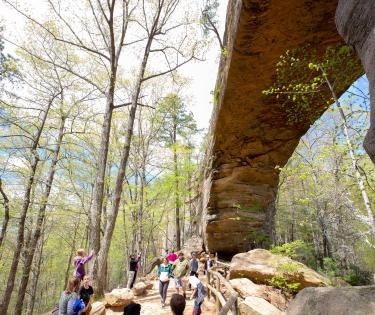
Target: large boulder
x,y
328,301
260,266
246,288
139,288
98,308
257,306
119,297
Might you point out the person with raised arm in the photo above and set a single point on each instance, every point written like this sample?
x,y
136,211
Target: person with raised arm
x,y
79,263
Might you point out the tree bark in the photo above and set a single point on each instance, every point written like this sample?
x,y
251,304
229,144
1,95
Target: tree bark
x,y
6,214
96,211
177,195
72,250
35,278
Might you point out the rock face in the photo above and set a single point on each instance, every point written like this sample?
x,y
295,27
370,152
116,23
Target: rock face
x,y
249,134
257,306
260,265
355,22
98,308
328,301
119,297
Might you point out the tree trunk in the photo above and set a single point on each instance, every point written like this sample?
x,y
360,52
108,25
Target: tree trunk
x,y
177,195
22,216
166,232
114,52
6,214
96,211
126,244
30,251
72,250
112,214
140,212
34,278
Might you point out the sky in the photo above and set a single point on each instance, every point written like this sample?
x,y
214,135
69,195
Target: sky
x,y
202,75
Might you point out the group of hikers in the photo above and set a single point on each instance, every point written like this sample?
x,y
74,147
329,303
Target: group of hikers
x,y
76,298
183,272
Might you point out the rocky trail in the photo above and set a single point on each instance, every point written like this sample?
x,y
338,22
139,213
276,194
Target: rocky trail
x,y
251,277
151,305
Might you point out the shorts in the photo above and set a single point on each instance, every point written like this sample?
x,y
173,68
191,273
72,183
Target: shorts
x,y
178,283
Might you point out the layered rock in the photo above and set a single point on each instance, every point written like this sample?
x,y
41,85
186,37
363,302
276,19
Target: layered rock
x,y
250,136
260,266
327,301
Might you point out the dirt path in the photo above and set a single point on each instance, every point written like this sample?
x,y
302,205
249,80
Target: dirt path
x,y
151,303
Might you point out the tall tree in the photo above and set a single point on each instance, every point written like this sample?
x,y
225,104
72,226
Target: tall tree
x,y
34,161
100,34
158,22
178,125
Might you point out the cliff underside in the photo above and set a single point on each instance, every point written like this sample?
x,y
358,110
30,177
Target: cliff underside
x,y
251,134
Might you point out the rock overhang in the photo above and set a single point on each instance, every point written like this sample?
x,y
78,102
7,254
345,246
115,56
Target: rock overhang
x,y
250,136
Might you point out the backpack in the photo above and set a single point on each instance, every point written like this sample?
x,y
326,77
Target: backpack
x,y
78,306
75,306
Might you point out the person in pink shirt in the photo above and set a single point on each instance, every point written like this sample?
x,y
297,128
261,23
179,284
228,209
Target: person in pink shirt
x,y
172,257
79,263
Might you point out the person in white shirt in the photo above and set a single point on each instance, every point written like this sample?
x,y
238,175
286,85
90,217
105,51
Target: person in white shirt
x,y
198,293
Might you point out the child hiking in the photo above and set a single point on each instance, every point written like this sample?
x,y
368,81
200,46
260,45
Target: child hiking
x,y
79,263
85,293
